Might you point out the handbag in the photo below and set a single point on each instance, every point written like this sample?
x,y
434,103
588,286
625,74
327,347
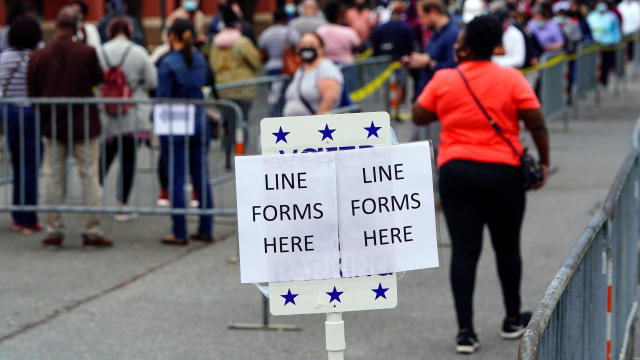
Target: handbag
x,y
531,171
291,61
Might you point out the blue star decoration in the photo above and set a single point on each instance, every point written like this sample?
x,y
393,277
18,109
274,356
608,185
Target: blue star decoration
x,y
289,298
380,291
326,133
335,295
281,135
373,130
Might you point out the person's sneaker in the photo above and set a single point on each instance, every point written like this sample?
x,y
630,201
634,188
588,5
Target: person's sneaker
x,y
96,241
513,329
26,230
163,199
124,215
467,342
194,202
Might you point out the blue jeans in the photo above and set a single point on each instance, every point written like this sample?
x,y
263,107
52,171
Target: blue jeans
x,y
22,144
198,147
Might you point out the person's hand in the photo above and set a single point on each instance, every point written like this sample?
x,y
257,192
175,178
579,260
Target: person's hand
x,y
545,176
416,60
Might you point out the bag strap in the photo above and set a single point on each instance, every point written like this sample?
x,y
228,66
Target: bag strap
x,y
124,56
304,101
486,114
6,84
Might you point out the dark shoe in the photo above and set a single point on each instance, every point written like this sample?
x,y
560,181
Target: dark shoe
x,y
513,329
98,241
52,240
467,342
172,240
201,238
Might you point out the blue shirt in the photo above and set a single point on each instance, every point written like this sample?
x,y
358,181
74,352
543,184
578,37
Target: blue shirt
x,y
440,49
605,28
178,81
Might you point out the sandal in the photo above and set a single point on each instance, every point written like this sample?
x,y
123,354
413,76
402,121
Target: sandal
x,y
172,240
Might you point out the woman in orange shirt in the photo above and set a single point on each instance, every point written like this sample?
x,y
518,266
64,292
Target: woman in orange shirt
x,y
481,179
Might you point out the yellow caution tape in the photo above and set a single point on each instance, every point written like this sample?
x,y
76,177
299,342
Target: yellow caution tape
x,y
373,86
364,55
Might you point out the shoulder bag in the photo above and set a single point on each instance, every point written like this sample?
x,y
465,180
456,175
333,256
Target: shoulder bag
x,y
531,171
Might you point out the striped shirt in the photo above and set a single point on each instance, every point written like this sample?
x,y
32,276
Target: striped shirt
x,y
14,65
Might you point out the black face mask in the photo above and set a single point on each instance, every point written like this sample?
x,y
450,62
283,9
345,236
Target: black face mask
x,y
308,54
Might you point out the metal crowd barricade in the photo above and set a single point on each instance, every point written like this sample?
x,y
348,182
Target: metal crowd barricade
x,y
621,68
589,309
64,115
552,85
586,77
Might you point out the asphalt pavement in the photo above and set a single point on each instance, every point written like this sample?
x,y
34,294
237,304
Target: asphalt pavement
x,y
142,300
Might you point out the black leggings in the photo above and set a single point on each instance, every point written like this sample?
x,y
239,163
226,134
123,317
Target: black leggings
x,y
127,167
474,194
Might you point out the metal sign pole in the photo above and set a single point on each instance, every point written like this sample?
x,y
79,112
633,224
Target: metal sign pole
x,y
265,322
334,332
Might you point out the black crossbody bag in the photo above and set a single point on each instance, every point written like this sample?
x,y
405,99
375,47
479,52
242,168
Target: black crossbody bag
x,y
531,170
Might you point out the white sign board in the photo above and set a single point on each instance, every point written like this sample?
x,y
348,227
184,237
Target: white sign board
x,y
174,119
387,210
287,217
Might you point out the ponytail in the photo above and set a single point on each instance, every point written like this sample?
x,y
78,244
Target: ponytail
x,y
187,50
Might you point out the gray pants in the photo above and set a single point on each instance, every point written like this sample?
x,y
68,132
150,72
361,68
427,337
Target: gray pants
x,y
86,156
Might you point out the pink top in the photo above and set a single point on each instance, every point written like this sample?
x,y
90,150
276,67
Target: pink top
x,y
339,42
361,21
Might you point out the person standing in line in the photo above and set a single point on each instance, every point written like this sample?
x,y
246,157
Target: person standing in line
x,y
479,105
438,53
359,18
66,68
514,47
310,19
272,42
630,11
87,32
182,74
605,30
23,37
340,40
317,85
117,8
125,130
18,9
547,32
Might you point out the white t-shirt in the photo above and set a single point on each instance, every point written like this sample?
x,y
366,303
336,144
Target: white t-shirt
x,y
514,47
307,83
630,11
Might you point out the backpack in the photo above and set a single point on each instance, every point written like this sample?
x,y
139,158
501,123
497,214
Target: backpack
x,y
533,50
115,85
572,35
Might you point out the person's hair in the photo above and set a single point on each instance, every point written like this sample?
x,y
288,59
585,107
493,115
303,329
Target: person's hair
x,y
24,33
67,18
429,5
332,12
482,35
18,9
229,17
183,29
315,34
84,8
279,16
119,25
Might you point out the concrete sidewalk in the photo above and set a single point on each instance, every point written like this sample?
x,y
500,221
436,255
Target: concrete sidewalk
x,y
141,300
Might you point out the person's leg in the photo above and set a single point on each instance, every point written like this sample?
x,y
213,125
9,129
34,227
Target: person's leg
x,y
30,218
110,152
87,155
608,63
55,156
460,203
199,166
173,152
13,136
162,173
505,204
127,167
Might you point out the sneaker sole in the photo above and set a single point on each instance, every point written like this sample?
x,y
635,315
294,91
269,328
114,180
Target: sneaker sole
x,y
467,349
512,335
163,203
126,217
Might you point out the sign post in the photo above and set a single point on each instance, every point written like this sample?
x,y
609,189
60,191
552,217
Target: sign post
x,y
328,228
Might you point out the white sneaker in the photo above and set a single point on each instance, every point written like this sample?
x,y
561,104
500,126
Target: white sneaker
x,y
194,203
125,216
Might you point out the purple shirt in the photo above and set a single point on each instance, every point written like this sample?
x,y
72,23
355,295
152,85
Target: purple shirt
x,y
547,33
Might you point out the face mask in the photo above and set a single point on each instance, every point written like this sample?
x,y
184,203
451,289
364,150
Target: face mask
x,y
539,23
190,6
308,55
290,9
602,7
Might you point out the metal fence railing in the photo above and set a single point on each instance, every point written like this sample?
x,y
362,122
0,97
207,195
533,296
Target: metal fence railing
x,y
589,309
77,133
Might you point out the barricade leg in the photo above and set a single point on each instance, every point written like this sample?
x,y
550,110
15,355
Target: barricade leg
x,y
265,322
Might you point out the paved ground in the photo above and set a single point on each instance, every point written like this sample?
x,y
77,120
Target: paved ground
x,y
141,300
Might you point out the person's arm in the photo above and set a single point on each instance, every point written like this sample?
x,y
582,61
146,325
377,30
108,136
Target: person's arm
x,y
96,75
149,73
165,81
534,122
329,92
250,54
422,116
32,77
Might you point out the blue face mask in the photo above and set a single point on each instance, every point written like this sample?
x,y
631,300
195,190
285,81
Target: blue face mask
x,y
602,7
290,9
190,6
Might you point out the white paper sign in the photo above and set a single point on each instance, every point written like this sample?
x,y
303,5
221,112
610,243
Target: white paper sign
x,y
174,119
387,210
287,217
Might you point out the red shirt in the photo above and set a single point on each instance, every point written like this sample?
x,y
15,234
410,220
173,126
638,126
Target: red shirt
x,y
466,133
